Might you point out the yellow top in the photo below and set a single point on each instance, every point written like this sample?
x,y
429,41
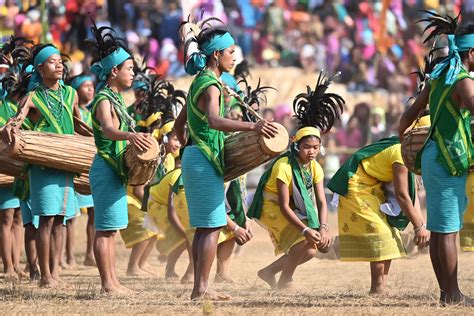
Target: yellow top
x,y
379,166
282,170
159,193
169,162
423,121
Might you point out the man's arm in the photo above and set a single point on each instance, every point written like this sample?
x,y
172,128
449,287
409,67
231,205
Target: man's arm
x,y
464,89
410,115
15,122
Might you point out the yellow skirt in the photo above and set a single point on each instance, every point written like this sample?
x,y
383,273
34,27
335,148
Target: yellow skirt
x,y
135,232
225,235
466,235
283,234
364,233
172,239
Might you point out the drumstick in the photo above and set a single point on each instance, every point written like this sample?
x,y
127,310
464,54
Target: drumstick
x,y
242,102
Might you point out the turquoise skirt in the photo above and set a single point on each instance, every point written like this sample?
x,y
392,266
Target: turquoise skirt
x,y
51,191
446,198
27,214
8,199
109,196
204,189
85,201
74,212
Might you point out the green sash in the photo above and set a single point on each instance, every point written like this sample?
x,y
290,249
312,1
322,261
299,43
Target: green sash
x,y
255,209
21,188
111,151
49,122
8,110
86,116
234,198
208,140
178,184
339,183
450,128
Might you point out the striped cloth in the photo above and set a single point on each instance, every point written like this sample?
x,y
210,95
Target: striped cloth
x,y
84,201
204,189
8,199
51,191
27,214
445,194
109,195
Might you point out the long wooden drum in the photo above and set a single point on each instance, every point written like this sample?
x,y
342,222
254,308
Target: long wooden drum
x,y
72,153
81,184
142,165
10,166
244,151
412,143
6,180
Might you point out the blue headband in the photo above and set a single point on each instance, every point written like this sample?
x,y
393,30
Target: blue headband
x,y
79,80
197,61
139,85
40,58
453,61
103,67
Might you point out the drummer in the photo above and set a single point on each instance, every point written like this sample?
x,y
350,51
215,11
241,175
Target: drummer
x,y
51,105
290,201
84,85
208,54
113,66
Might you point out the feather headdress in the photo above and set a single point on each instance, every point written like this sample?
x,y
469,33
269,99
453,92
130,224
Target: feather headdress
x,y
318,108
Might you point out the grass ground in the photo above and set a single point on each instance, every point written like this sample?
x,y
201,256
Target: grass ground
x,y
327,286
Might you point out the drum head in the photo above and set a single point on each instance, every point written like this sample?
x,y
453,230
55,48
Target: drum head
x,y
150,154
278,144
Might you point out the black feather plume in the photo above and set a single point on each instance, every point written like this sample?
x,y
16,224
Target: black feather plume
x,y
318,108
254,98
440,25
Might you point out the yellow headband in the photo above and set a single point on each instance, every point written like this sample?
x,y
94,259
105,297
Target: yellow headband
x,y
307,131
141,123
165,129
152,118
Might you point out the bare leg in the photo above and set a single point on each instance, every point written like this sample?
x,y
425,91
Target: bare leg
x,y
204,253
133,268
102,253
90,230
143,262
378,274
43,244
298,254
56,246
17,242
113,273
173,257
6,223
30,249
189,273
224,252
70,237
436,263
448,259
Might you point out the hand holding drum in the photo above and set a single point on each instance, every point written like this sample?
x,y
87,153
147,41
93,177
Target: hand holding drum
x,y
266,128
141,141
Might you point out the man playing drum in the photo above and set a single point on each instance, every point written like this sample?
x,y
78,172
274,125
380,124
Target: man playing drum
x,y
113,66
208,54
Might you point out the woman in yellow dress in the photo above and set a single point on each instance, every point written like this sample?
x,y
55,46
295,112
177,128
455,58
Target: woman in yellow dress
x,y
375,192
290,201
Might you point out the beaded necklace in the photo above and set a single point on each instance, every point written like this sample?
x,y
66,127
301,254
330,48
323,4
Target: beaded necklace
x,y
119,108
57,110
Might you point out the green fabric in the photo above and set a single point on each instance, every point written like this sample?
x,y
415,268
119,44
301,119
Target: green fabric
x,y
48,121
208,140
339,183
111,151
21,188
8,110
178,184
234,198
86,116
255,209
450,128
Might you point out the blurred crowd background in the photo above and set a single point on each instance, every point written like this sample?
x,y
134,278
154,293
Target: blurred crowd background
x,y
374,44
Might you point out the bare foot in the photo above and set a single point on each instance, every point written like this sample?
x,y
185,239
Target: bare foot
x,y
458,300
64,265
210,295
11,276
222,279
22,274
35,274
187,279
47,283
125,290
171,275
288,286
268,277
89,261
377,291
148,271
135,272
72,264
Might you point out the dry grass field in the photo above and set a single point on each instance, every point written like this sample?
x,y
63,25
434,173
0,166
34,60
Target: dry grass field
x,y
327,286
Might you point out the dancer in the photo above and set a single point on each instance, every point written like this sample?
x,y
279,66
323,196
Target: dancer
x,y
84,86
113,66
207,54
446,156
290,201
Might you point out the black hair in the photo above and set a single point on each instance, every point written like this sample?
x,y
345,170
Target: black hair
x,y
242,70
318,108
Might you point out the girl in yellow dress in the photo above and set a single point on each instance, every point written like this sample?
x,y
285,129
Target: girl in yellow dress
x,y
290,201
376,190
